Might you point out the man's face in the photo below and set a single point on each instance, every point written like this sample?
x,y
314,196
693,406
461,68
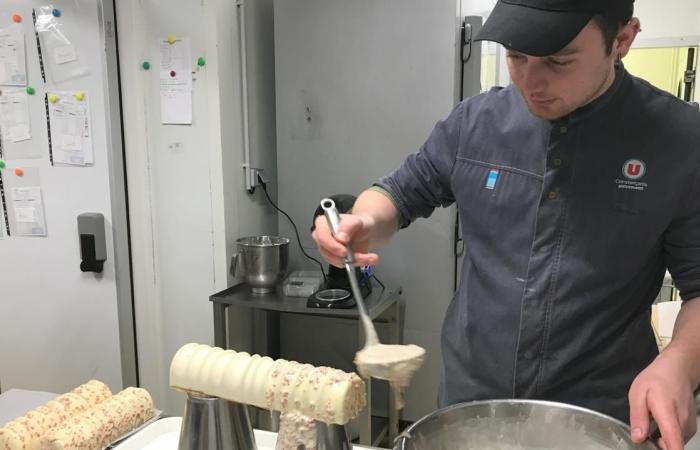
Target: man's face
x,y
554,86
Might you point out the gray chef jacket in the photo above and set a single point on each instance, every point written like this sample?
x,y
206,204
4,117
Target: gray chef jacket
x,y
569,226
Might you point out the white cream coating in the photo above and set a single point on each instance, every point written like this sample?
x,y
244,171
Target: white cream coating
x,y
322,393
239,377
296,431
395,363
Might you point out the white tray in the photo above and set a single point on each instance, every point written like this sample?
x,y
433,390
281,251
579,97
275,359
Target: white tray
x,y
164,434
161,434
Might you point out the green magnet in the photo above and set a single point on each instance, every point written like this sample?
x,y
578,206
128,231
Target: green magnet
x,y
201,61
30,90
146,65
2,164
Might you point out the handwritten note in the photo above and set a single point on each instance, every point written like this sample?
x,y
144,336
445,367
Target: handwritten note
x,y
175,82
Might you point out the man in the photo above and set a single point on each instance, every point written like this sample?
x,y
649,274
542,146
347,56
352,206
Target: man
x,y
577,187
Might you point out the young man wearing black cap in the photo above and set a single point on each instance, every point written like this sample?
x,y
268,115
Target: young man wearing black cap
x,y
577,187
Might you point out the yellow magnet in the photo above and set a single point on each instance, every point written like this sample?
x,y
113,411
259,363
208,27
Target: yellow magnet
x,y
53,98
80,96
171,39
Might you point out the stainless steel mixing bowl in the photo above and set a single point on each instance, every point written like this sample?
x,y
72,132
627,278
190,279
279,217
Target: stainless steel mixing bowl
x,y
517,425
264,261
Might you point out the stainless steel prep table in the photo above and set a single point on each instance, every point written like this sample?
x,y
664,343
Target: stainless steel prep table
x,y
383,307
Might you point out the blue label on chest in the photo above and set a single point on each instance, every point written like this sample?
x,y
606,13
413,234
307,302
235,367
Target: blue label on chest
x,y
492,179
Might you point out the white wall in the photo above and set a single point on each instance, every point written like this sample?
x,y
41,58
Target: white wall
x,y
477,7
187,201
375,77
668,18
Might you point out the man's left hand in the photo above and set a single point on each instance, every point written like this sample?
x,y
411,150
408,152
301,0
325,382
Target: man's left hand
x,y
664,389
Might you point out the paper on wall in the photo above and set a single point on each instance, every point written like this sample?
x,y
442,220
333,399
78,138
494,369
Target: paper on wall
x,y
14,116
65,54
28,211
71,134
63,57
13,66
176,82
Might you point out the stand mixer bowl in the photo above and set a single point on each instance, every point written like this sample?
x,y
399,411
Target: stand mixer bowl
x,y
263,260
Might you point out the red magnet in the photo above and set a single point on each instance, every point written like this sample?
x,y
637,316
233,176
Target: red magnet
x,y
172,73
19,171
16,18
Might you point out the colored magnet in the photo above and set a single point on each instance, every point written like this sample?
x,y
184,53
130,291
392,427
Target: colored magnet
x,y
171,39
2,164
173,73
201,61
80,96
53,98
16,18
19,171
146,65
56,12
30,90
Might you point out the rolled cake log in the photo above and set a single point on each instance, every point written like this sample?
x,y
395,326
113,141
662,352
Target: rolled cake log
x,y
103,423
322,393
26,432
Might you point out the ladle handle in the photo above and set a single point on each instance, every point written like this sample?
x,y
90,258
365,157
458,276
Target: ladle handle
x,y
655,433
333,219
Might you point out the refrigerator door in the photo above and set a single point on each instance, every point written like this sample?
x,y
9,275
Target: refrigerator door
x,y
60,326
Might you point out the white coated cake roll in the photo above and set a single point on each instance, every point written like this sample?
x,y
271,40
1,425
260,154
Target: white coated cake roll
x,y
322,393
26,432
103,423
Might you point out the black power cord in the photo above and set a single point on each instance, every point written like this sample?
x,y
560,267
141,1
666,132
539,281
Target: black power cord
x,y
323,272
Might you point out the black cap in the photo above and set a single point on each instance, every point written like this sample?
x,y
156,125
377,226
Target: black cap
x,y
544,27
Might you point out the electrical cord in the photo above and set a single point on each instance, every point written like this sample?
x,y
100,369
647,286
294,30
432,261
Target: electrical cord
x,y
378,281
323,272
368,272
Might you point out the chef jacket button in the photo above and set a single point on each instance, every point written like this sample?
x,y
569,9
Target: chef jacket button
x,y
552,195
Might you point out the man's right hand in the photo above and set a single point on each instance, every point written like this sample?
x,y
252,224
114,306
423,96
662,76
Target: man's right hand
x,y
353,229
374,220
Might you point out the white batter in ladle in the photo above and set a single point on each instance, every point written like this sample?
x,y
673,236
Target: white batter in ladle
x,y
395,363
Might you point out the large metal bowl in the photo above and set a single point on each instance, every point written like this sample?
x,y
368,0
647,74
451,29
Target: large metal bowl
x,y
517,425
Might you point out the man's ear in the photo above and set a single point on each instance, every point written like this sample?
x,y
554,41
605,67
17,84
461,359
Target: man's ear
x,y
626,37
